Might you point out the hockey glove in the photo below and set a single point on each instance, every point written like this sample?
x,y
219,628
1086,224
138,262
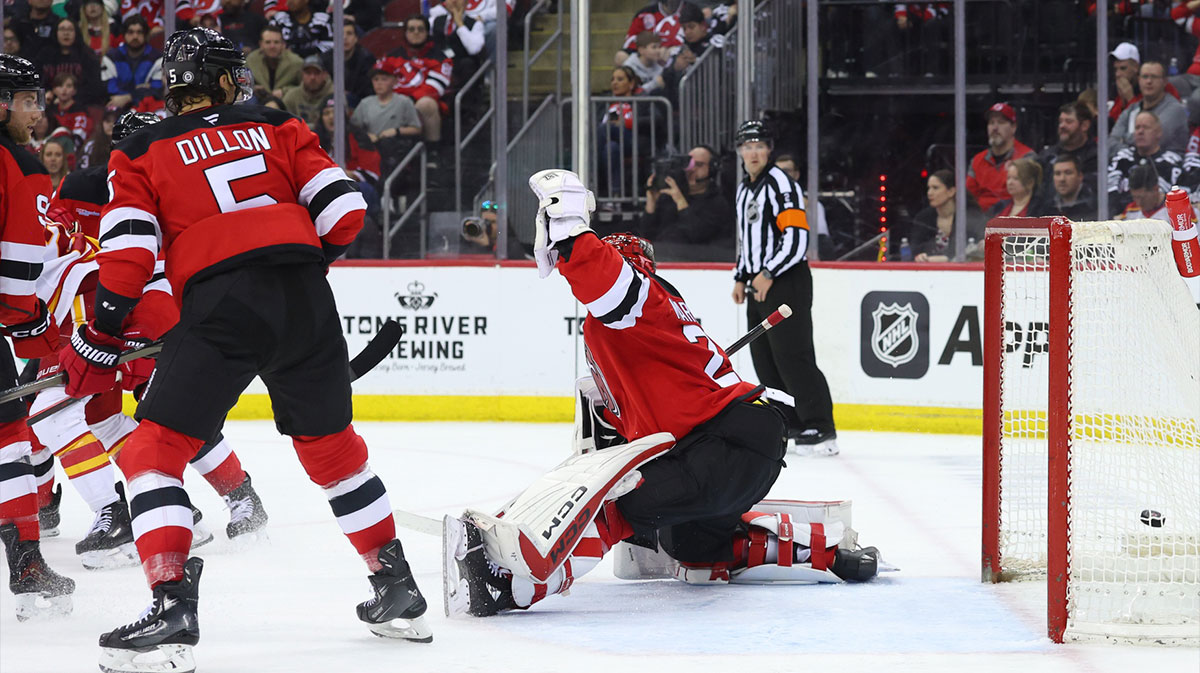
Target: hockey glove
x,y
565,210
37,337
90,364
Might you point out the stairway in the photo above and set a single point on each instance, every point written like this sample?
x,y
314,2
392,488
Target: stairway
x,y
609,21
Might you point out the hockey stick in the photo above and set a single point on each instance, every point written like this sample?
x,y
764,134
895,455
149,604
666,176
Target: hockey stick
x,y
371,355
56,379
430,526
782,313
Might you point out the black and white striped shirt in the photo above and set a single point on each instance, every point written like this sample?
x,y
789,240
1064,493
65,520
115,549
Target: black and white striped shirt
x,y
771,224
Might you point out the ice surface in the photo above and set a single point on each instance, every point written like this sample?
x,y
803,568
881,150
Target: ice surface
x,y
288,605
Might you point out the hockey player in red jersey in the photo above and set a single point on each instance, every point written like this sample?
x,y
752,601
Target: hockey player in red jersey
x,y
84,437
24,196
701,449
249,211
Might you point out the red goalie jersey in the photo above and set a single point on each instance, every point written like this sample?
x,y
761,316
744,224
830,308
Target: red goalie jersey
x,y
656,368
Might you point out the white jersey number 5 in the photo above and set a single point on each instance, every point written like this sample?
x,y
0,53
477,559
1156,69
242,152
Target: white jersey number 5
x,y
221,177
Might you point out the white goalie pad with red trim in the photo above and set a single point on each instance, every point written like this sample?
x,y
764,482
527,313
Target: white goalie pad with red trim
x,y
540,528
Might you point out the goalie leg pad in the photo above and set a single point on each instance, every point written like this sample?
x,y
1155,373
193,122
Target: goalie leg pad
x,y
542,526
592,431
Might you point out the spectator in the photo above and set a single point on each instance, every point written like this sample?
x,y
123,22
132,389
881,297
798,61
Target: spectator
x,y
1147,197
12,43
931,235
97,148
1024,184
1170,112
422,73
134,63
695,212
57,154
271,102
68,54
1147,149
647,63
243,26
988,173
276,68
1188,83
35,27
359,63
66,111
1074,196
662,17
150,10
97,26
615,133
1090,98
307,100
387,115
1126,62
1074,138
306,32
485,11
367,14
456,32
480,234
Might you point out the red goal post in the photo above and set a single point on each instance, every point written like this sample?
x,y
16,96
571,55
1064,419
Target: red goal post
x,y
1091,438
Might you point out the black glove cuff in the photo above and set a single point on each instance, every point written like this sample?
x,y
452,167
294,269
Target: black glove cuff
x,y
111,309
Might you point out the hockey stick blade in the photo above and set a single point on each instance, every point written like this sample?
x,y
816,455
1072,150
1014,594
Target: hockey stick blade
x,y
417,523
376,350
779,315
56,379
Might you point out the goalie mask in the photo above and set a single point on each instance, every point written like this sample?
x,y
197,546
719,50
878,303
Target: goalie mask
x,y
193,62
636,249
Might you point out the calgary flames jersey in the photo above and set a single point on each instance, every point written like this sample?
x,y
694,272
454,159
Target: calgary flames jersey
x,y
654,365
218,188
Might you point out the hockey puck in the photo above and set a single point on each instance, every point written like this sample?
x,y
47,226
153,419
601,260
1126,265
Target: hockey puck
x,y
1153,518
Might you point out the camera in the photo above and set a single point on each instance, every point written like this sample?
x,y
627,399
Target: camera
x,y
673,166
473,227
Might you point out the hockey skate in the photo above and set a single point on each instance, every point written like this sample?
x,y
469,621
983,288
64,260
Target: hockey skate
x,y
109,544
161,640
49,516
246,514
201,533
40,591
470,583
813,442
397,609
859,565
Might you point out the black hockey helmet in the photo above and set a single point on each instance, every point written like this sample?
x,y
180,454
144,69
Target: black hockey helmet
x,y
18,74
752,130
195,59
130,122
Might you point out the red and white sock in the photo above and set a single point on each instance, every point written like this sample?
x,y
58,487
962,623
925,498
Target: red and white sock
x,y
18,487
219,466
86,464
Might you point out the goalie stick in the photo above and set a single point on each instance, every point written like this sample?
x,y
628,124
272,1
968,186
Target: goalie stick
x,y
372,354
430,526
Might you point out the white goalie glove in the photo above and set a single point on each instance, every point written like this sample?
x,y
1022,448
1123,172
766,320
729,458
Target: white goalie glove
x,y
565,210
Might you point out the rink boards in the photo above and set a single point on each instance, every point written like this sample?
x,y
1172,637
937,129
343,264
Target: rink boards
x,y
900,344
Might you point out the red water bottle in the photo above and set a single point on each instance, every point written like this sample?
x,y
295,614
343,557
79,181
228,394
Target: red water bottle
x,y
1184,241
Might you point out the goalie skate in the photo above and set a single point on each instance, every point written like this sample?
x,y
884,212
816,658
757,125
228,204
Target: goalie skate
x,y
470,584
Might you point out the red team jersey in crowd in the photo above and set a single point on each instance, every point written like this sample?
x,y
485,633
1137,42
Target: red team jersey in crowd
x,y
186,183
24,198
656,368
666,26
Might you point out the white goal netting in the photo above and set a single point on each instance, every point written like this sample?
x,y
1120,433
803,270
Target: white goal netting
x,y
1133,544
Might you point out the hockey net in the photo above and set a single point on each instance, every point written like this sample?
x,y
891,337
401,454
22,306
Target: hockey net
x,y
1092,426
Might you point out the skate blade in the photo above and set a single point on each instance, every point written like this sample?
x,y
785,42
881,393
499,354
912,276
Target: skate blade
x,y
49,532
455,593
415,630
160,659
125,556
35,607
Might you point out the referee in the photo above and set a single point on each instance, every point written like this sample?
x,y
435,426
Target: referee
x,y
771,270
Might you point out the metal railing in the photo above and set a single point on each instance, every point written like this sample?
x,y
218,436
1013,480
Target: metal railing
x,y
621,185
460,142
779,63
389,230
705,117
555,39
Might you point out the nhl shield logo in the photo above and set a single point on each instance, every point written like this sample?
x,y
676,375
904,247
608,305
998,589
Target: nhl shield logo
x,y
416,299
894,337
